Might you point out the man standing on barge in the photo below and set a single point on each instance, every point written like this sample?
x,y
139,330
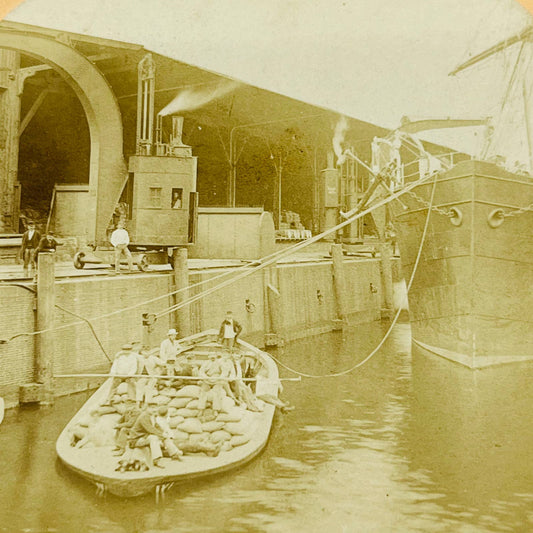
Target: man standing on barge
x,y
229,330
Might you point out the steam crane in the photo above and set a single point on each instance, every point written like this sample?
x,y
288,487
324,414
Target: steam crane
x,y
159,202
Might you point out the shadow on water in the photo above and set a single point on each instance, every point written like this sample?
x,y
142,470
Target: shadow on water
x,y
404,443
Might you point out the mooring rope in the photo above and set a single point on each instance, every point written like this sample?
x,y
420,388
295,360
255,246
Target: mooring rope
x,y
272,258
395,319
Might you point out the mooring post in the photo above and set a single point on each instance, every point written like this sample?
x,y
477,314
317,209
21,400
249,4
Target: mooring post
x,y
44,342
181,281
386,279
339,281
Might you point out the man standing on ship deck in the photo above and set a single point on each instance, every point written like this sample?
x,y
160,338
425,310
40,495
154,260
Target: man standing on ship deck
x,y
230,329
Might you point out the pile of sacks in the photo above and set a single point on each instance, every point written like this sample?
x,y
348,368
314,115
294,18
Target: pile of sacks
x,y
231,427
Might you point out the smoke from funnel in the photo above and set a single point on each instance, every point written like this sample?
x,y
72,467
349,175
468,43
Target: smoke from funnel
x,y
190,99
338,138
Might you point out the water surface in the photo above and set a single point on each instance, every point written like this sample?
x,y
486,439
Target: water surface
x,y
404,443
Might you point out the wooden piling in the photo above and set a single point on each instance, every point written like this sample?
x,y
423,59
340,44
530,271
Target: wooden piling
x,y
275,310
44,356
339,280
181,280
386,280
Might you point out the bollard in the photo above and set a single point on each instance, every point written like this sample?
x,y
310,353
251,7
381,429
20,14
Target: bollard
x,y
339,280
181,280
45,320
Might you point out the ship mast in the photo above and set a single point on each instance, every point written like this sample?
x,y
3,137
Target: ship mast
x,y
524,36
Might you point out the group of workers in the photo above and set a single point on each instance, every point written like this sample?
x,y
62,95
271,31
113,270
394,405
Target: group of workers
x,y
143,422
33,243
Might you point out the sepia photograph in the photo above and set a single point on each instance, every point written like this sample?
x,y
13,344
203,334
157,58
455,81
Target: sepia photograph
x,y
266,266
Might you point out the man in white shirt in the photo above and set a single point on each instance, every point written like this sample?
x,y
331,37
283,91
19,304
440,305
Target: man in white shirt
x,y
151,365
169,350
125,364
120,240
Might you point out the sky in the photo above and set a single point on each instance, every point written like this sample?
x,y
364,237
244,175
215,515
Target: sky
x,y
375,60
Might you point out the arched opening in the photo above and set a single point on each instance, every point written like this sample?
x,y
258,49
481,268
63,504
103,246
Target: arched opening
x,y
107,168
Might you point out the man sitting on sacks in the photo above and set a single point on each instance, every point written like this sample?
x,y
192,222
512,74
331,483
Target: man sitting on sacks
x,y
185,366
169,350
209,385
146,432
126,422
149,365
242,390
125,364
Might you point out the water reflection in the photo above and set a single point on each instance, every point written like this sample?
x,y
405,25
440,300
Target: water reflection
x,y
404,443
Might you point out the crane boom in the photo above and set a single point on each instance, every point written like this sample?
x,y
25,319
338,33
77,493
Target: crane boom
x,y
524,35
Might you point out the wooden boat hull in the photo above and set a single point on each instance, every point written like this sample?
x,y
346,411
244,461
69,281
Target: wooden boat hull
x,y
472,292
97,464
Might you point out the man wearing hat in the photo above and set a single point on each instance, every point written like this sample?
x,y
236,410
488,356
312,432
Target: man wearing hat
x,y
30,241
168,351
229,330
125,364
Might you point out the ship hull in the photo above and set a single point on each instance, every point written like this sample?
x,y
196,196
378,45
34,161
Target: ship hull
x,y
472,292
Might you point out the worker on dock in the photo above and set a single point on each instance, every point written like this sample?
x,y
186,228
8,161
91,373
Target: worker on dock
x,y
120,240
125,364
169,350
229,330
30,242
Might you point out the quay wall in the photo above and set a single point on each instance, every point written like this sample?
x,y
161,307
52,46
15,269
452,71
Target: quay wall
x,y
307,305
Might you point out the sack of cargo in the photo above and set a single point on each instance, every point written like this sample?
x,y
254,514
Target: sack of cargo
x,y
234,414
187,413
175,421
212,426
220,436
193,404
207,415
236,428
227,404
179,436
179,402
122,388
191,425
226,447
172,411
172,391
239,440
161,400
197,438
167,391
189,391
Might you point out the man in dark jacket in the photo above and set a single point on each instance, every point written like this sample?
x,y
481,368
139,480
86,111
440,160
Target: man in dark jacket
x,y
30,240
46,244
145,432
229,330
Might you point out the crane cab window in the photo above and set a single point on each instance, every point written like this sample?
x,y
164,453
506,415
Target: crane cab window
x,y
177,199
155,197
